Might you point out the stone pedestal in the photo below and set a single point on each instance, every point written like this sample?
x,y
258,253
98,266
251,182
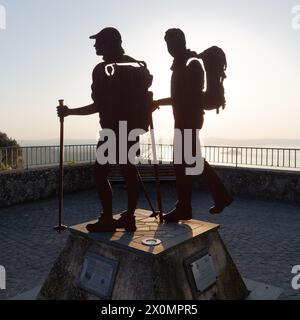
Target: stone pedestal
x,y
190,262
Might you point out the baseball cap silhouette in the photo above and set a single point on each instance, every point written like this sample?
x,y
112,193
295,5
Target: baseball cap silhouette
x,y
110,33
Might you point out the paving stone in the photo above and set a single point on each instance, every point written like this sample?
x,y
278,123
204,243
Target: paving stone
x,y
262,236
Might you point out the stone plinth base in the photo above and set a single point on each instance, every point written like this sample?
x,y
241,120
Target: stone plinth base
x,y
190,262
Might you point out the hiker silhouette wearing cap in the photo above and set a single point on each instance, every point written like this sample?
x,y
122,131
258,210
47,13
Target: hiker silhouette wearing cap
x,y
187,84
109,45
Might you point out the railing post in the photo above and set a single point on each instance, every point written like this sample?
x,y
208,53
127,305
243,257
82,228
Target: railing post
x,y
236,157
26,158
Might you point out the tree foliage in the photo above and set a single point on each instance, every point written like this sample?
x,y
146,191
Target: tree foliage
x,y
5,141
10,153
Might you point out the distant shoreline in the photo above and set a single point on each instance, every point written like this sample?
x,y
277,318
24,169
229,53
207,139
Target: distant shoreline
x,y
261,143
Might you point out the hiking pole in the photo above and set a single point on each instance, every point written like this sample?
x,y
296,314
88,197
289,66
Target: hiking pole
x,y
145,192
157,182
60,226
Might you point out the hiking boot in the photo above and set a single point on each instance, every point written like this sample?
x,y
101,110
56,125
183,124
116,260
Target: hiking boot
x,y
127,222
104,224
178,214
219,206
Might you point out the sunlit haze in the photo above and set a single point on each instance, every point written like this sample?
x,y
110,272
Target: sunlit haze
x,y
46,54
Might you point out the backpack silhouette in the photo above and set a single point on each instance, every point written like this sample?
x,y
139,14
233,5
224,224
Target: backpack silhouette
x,y
215,65
128,84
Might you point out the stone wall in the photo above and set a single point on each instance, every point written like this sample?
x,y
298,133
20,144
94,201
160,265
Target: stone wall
x,y
260,183
30,185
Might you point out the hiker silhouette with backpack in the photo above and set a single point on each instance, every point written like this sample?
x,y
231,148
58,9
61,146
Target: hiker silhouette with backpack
x,y
189,101
120,94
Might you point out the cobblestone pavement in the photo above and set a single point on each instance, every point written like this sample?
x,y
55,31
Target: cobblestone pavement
x,y
262,236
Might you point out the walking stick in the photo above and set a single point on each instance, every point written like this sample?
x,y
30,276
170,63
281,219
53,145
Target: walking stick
x,y
145,192
157,182
60,226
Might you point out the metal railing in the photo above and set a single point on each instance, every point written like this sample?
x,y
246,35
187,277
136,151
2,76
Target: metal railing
x,y
284,158
40,156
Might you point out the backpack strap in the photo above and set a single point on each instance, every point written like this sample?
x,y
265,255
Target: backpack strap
x,y
110,68
191,60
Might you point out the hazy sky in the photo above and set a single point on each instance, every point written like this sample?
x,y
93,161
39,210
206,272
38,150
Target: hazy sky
x,y
46,54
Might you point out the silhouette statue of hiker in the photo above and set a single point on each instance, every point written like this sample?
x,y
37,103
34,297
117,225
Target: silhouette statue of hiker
x,y
113,100
187,85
